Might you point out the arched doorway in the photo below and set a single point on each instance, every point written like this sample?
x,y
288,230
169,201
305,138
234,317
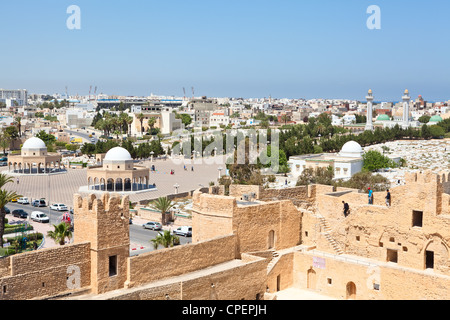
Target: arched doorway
x,y
351,291
311,279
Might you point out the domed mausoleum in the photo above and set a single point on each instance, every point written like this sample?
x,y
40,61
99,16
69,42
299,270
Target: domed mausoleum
x,y
118,173
435,120
345,163
35,159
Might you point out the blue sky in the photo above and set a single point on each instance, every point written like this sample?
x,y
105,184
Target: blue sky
x,y
246,48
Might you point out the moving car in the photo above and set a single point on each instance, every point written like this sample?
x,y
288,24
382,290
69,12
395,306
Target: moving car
x,y
59,207
152,225
39,217
23,201
39,203
183,231
19,213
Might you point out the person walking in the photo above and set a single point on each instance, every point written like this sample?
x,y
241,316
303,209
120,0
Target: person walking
x,y
370,196
388,198
346,209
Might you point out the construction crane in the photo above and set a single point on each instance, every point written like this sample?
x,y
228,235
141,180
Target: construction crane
x,y
193,93
184,91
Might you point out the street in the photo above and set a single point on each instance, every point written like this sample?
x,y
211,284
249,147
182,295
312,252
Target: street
x,y
140,238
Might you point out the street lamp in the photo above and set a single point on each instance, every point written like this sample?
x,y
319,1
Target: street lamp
x,y
152,153
220,172
176,186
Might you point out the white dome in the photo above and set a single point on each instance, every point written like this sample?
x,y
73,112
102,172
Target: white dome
x,y
34,143
118,154
351,149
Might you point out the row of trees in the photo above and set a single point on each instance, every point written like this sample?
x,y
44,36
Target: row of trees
x,y
111,123
361,181
141,151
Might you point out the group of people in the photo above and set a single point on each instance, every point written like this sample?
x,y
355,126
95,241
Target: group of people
x,y
387,198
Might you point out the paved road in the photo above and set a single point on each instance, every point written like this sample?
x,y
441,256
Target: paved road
x,y
83,134
139,237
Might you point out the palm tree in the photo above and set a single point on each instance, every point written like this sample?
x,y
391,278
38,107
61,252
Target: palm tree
x,y
163,204
167,240
5,198
141,118
151,123
61,232
18,121
129,120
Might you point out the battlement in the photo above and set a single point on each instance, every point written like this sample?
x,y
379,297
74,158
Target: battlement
x,y
426,176
103,206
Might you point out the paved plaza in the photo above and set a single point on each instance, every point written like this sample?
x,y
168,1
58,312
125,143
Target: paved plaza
x,y
60,188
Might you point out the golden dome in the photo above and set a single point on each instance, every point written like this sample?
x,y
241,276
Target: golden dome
x,y
406,92
370,91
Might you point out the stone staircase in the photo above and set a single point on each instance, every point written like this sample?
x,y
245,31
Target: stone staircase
x,y
326,231
273,262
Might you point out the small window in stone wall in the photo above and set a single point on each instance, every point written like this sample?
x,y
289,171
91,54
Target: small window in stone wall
x,y
417,219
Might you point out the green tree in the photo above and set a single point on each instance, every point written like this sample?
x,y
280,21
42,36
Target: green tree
x,y
48,139
425,132
318,175
163,204
61,232
374,160
166,239
424,119
436,132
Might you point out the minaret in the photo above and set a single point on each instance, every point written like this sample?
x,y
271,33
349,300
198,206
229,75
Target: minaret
x,y
369,124
406,98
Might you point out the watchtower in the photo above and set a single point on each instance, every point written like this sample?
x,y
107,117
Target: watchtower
x,y
104,222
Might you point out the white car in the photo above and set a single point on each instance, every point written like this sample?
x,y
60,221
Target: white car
x,y
183,231
23,201
59,207
39,217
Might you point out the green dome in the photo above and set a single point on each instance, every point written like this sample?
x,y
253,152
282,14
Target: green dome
x,y
436,119
383,117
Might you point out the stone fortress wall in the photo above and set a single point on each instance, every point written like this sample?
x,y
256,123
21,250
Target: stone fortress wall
x,y
287,238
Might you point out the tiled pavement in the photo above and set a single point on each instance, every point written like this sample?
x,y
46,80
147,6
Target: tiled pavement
x,y
60,188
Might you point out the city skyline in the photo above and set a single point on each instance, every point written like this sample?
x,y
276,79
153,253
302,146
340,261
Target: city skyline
x,y
287,49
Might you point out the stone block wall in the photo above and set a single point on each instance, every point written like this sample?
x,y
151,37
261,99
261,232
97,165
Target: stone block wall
x,y
175,261
46,272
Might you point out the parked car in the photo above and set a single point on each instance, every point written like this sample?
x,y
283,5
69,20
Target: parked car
x,y
39,217
183,231
7,210
152,225
19,213
23,201
59,207
3,164
13,200
39,203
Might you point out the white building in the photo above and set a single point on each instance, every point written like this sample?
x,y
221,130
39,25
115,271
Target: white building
x,y
345,163
10,96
